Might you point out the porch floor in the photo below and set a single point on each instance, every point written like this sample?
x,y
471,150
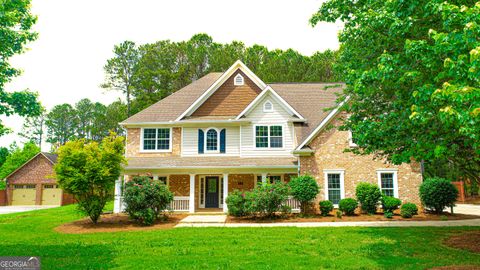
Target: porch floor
x,y
209,211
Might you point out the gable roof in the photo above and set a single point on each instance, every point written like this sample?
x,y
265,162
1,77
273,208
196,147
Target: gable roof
x,y
312,100
282,102
227,74
171,107
49,156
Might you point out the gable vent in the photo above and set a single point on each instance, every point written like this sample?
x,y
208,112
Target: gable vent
x,y
238,80
268,106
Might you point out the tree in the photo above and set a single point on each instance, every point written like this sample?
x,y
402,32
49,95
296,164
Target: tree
x,y
84,112
88,171
34,128
120,70
412,70
61,124
15,24
304,188
4,153
18,157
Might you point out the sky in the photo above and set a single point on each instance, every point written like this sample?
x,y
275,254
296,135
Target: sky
x,y
76,37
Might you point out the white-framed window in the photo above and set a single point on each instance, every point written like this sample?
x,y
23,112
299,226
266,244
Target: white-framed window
x,y
268,106
268,136
334,185
212,142
156,140
351,140
162,178
388,183
238,80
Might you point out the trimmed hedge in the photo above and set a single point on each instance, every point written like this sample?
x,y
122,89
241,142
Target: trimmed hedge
x,y
304,188
348,206
325,207
390,204
368,195
408,210
438,193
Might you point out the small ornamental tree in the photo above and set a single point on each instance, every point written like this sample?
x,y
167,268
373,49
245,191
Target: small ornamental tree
x,y
88,171
438,193
304,189
368,195
146,199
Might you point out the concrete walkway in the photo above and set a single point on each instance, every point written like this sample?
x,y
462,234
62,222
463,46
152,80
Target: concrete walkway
x,y
24,208
219,221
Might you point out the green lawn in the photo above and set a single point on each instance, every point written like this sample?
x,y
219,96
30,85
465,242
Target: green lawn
x,y
28,234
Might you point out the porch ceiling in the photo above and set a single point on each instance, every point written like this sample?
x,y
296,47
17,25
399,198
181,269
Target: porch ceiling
x,y
221,163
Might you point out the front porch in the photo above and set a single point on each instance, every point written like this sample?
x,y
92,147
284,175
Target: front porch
x,y
207,192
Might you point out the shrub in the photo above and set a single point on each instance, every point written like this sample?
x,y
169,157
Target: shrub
x,y
368,195
438,193
88,170
339,214
304,189
408,210
236,203
267,199
348,206
3,185
390,204
388,214
326,207
146,199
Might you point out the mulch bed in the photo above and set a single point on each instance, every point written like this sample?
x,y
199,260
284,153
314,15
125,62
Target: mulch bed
x,y
468,241
116,223
457,267
357,217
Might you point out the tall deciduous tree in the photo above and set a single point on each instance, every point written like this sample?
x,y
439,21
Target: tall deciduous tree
x,y
15,24
88,171
18,157
413,74
120,70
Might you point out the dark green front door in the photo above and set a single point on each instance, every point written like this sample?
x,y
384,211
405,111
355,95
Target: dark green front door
x,y
211,192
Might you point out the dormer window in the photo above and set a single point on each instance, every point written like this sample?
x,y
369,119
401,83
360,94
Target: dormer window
x,y
268,106
238,80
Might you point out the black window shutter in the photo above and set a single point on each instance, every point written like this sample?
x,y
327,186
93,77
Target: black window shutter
x,y
222,141
200,141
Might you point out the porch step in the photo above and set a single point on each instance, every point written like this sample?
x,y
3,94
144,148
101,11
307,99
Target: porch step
x,y
204,219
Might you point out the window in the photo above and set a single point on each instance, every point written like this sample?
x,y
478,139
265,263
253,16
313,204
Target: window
x,y
274,178
156,139
238,80
163,179
30,186
334,182
269,136
268,106
48,186
211,140
259,180
387,180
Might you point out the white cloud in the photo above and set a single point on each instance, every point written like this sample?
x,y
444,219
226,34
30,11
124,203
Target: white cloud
x,y
76,38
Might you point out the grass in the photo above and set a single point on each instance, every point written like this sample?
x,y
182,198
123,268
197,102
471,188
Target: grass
x,y
32,234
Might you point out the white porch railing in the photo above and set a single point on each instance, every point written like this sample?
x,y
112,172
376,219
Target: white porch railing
x,y
294,204
180,203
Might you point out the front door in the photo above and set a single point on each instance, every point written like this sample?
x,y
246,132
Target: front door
x,y
211,192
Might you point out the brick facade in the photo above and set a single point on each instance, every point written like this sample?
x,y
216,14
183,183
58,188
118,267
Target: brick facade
x,y
229,99
134,141
38,171
329,154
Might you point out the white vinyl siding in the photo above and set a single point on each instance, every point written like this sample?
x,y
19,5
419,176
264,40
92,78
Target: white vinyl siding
x,y
190,141
278,117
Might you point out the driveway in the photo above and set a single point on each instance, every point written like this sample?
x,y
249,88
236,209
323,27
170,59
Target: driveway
x,y
18,209
468,209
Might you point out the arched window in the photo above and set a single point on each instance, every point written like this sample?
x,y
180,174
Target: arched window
x,y
211,140
238,80
268,106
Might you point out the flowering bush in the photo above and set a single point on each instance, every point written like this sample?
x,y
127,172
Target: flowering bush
x,y
146,199
236,203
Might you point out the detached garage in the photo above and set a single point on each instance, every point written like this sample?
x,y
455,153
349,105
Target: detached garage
x,y
34,183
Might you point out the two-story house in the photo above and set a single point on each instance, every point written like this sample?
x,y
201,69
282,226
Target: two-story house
x,y
230,130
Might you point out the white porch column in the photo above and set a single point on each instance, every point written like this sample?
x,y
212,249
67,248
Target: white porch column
x,y
117,205
264,178
225,192
191,205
